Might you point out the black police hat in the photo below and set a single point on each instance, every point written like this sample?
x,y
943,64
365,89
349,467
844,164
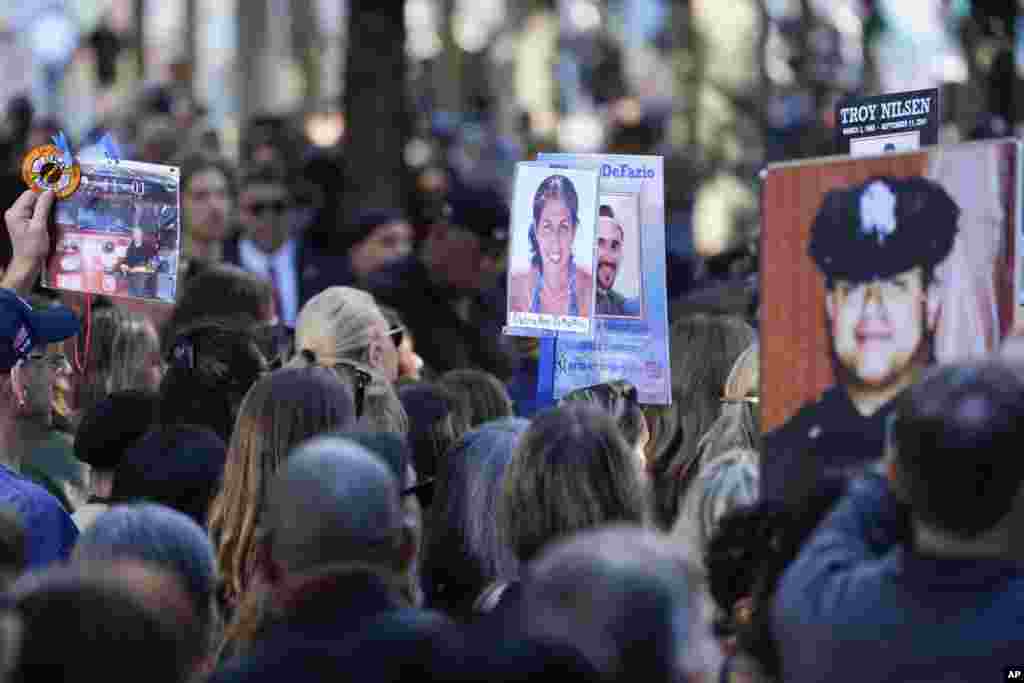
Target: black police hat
x,y
883,227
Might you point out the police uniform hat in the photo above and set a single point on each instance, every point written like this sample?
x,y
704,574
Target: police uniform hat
x,y
883,227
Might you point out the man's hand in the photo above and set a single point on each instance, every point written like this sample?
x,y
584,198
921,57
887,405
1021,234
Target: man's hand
x,y
27,221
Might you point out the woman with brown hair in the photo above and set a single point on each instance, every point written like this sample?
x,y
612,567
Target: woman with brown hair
x,y
704,348
279,412
571,470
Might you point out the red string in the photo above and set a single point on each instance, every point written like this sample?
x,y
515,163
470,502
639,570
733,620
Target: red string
x,y
80,363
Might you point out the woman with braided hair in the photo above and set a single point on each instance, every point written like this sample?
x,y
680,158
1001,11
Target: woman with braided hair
x,y
553,285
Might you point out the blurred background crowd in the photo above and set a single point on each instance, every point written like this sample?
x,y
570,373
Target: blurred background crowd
x,y
380,104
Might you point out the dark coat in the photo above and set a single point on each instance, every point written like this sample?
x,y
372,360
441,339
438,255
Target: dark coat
x,y
443,339
317,268
347,627
826,438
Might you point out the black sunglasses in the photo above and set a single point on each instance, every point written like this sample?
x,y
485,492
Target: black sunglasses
x,y
397,335
258,208
424,491
361,379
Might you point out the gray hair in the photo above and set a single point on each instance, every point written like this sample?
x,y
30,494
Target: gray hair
x,y
723,484
163,537
632,601
336,325
333,502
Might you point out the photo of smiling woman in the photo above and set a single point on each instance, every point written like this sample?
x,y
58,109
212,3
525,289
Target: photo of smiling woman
x,y
558,281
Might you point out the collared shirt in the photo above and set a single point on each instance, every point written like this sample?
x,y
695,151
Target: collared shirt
x,y
285,267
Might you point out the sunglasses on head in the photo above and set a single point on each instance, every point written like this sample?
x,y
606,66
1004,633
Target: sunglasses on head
x,y
361,379
278,206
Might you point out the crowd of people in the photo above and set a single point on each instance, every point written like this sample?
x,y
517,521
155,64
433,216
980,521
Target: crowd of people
x,y
326,459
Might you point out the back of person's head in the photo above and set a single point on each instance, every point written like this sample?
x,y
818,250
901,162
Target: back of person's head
x,y
431,410
111,427
180,468
482,396
281,410
572,470
220,291
704,349
337,324
124,353
955,436
619,399
629,599
464,550
168,539
787,527
212,366
120,622
333,503
728,481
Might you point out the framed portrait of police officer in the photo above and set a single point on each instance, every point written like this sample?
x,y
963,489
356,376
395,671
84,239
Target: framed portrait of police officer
x,y
873,269
619,257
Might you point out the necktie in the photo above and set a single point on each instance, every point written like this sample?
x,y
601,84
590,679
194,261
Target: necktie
x,y
278,307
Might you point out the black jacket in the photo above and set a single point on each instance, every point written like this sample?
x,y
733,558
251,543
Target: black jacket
x,y
316,267
827,438
443,339
348,626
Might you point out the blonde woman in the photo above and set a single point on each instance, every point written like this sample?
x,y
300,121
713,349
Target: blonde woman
x,y
343,329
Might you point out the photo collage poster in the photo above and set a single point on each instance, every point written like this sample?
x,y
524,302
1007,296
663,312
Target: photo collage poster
x,y
873,268
630,329
119,234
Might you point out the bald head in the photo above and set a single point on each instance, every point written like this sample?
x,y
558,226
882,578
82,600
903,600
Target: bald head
x,y
333,502
627,598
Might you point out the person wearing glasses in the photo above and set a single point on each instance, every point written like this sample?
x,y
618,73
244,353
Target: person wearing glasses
x,y
877,245
269,245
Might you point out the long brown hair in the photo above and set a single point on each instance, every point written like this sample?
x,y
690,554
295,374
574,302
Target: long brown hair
x,y
280,411
703,351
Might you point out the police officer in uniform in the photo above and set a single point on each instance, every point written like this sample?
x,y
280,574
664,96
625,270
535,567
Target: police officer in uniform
x,y
877,245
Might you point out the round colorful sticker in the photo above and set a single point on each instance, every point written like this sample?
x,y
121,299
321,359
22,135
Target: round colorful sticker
x,y
44,169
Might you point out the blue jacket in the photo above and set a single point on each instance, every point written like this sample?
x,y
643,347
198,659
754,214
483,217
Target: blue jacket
x,y
858,606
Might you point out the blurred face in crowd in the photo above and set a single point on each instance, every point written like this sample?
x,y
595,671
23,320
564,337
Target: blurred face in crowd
x,y
410,364
263,210
458,258
609,251
385,244
207,206
880,328
137,236
555,233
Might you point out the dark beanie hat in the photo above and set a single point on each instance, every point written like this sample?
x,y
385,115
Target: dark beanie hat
x,y
364,223
113,426
180,467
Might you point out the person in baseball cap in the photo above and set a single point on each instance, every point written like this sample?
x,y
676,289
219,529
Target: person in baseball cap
x,y
877,244
23,328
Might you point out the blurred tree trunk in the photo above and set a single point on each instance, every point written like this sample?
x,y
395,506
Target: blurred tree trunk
x,y
375,105
139,19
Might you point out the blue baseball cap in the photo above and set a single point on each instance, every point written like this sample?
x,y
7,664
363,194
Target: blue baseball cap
x,y
23,328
